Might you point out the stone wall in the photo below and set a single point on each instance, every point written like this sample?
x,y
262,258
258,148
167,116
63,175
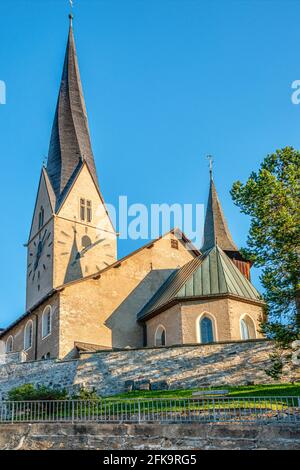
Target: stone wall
x,y
195,436
181,366
11,358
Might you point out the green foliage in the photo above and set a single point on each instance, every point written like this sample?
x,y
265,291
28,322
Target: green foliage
x,y
85,394
275,370
271,197
283,335
30,392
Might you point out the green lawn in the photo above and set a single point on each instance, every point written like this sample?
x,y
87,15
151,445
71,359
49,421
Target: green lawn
x,y
241,391
175,404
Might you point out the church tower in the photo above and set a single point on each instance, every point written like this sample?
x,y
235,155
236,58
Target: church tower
x,y
216,231
71,236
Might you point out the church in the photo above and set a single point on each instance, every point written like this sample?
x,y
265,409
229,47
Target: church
x,y
81,297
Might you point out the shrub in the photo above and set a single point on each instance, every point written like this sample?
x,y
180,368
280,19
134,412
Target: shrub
x,y
275,370
85,394
30,392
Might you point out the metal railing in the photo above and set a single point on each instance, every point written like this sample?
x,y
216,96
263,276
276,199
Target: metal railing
x,y
206,410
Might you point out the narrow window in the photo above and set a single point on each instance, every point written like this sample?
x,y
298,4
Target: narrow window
x,y
9,345
41,218
160,336
28,335
247,328
86,241
82,209
244,330
46,322
206,330
89,211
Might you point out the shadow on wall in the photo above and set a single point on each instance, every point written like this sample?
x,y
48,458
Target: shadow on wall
x,y
189,366
181,367
74,271
123,321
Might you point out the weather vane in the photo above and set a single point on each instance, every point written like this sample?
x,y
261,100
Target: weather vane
x,y
210,158
71,8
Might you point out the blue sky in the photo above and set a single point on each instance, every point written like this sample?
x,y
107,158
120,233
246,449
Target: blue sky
x,y
165,83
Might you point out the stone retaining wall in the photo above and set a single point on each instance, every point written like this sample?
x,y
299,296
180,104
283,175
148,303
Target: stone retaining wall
x,y
195,436
180,366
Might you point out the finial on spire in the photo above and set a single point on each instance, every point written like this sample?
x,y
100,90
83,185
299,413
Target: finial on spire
x,y
210,158
71,12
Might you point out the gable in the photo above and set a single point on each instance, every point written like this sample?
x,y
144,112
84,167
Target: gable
x,y
42,200
85,187
111,299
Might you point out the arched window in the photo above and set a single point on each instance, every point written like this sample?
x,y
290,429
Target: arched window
x,y
206,330
160,336
45,357
9,344
86,241
247,328
28,335
41,217
46,321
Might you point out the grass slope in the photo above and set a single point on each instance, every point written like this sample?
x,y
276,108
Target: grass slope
x,y
278,390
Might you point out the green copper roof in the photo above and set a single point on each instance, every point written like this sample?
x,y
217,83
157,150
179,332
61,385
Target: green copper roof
x,y
212,273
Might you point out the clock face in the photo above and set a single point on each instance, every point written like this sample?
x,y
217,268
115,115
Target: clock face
x,y
39,256
81,250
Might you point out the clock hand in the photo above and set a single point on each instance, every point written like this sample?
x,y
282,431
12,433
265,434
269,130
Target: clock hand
x,y
81,253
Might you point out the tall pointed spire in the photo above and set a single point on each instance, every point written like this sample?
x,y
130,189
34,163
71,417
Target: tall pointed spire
x,y
216,230
70,143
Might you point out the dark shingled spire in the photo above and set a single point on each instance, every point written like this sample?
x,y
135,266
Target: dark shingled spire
x,y
216,230
70,143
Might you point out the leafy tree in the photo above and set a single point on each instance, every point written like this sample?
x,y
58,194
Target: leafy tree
x,y
271,197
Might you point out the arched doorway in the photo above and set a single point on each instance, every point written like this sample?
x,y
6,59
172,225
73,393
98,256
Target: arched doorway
x,y
160,336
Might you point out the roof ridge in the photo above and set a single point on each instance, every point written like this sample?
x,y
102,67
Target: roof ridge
x,y
236,273
221,266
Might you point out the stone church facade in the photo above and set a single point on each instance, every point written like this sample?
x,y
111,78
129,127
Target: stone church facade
x,y
81,297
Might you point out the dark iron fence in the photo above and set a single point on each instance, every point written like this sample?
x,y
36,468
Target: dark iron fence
x,y
206,410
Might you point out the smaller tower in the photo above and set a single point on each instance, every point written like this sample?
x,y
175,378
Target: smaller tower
x,y
216,230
